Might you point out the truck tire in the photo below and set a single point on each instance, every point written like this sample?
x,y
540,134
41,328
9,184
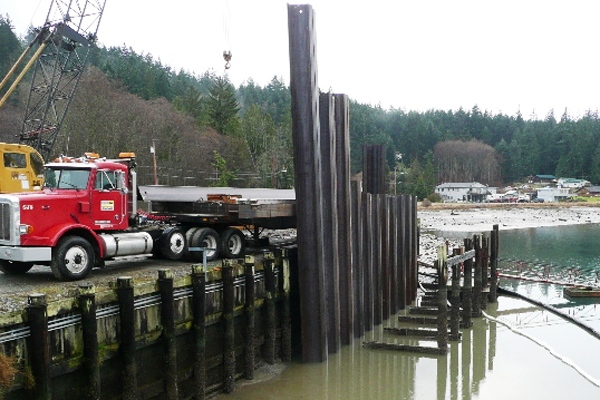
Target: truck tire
x,y
188,239
72,259
209,239
15,267
173,245
233,243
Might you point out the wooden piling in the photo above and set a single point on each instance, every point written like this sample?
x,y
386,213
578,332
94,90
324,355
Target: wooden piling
x,y
377,234
358,266
485,251
345,242
408,254
283,263
305,134
127,345
91,364
369,303
455,302
249,312
402,251
467,302
229,328
477,287
413,247
495,243
329,233
442,318
198,310
270,322
385,257
165,286
38,350
393,253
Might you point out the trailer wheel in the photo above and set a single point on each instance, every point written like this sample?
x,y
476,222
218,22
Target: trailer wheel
x,y
173,244
209,239
15,267
233,243
72,259
188,239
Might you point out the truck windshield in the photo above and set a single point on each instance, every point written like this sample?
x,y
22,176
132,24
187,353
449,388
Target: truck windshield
x,y
66,178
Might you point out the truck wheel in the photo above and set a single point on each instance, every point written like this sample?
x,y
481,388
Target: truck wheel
x,y
73,259
188,239
233,243
209,239
173,243
15,267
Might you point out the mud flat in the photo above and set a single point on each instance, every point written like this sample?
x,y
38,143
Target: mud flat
x,y
482,218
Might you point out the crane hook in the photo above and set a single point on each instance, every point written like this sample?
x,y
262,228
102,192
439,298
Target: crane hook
x,y
227,58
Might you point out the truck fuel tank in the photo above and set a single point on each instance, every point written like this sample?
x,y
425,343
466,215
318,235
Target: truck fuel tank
x,y
126,244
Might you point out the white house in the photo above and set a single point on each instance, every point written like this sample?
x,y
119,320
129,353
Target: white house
x,y
553,194
461,191
572,183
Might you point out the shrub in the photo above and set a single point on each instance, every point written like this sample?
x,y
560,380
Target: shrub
x,y
434,198
7,373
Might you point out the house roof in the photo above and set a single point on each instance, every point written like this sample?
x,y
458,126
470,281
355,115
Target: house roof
x,y
572,180
546,176
466,185
593,189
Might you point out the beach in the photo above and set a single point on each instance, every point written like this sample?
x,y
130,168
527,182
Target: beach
x,y
454,222
483,218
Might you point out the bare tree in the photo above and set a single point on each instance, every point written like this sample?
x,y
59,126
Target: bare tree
x,y
459,161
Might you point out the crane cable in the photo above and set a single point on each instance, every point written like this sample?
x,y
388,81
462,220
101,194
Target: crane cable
x,y
227,52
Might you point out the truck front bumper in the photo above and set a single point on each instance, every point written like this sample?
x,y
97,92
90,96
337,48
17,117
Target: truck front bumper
x,y
25,254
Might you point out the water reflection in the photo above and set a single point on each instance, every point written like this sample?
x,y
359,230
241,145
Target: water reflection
x,y
490,362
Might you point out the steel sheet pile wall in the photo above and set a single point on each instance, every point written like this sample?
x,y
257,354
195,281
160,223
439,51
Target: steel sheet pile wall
x,y
356,251
177,338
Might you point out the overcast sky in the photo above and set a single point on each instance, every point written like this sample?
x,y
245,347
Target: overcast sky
x,y
503,56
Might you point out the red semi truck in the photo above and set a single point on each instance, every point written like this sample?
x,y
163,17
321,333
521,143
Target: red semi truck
x,y
87,213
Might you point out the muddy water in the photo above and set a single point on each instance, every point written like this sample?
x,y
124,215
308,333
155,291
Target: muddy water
x,y
490,362
524,353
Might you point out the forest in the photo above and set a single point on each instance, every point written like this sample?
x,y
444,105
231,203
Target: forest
x,y
206,131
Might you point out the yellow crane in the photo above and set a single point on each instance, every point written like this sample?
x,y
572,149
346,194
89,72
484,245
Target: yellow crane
x,y
63,45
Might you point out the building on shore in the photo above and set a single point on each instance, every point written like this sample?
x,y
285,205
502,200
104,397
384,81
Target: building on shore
x,y
554,194
464,191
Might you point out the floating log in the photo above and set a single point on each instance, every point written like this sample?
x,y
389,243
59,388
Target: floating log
x,y
403,347
417,319
588,291
424,333
423,311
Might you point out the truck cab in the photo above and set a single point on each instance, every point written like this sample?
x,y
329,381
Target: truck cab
x,y
21,168
80,217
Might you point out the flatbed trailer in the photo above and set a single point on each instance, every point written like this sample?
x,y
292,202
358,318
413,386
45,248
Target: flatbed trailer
x,y
88,213
198,206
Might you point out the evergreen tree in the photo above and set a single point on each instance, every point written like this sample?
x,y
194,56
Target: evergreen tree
x,y
10,49
222,107
224,175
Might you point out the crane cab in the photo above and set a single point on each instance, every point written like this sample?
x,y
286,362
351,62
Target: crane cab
x,y
21,168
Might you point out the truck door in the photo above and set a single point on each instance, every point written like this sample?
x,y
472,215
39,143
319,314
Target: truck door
x,y
17,174
109,200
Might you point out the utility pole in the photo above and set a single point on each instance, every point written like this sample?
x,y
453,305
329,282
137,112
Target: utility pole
x,y
153,152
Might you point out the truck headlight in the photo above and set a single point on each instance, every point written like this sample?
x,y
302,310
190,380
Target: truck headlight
x,y
25,229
